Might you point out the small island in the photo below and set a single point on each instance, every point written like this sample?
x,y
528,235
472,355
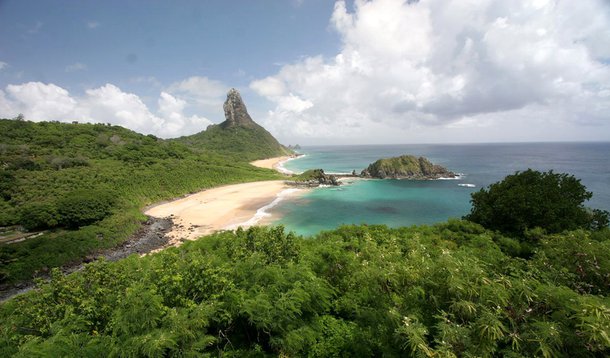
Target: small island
x,y
406,167
313,178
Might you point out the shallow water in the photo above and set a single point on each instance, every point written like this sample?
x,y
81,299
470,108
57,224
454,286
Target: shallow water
x,y
402,202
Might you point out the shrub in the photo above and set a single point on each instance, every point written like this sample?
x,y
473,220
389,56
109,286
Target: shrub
x,y
530,199
84,207
38,215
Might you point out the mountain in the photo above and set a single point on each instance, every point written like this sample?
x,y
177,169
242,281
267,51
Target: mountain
x,y
238,136
406,167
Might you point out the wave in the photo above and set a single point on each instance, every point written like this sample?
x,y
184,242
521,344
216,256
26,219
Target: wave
x,y
263,211
282,169
458,176
467,185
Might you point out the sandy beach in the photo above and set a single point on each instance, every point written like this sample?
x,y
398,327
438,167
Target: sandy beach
x,y
225,207
273,163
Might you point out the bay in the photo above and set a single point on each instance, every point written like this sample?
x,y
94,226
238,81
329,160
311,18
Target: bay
x,y
403,203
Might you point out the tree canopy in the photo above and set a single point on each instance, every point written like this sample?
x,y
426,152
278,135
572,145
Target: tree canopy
x,y
533,199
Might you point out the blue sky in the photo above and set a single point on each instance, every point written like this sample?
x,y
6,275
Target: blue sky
x,y
315,71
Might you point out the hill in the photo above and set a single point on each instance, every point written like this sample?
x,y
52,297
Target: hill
x,y
82,186
238,136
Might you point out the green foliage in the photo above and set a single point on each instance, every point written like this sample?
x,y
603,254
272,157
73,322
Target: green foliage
x,y
407,166
72,170
237,142
7,183
446,291
84,207
38,215
530,199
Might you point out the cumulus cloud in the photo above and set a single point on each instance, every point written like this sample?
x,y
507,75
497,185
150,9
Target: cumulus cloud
x,y
204,92
407,68
106,104
3,65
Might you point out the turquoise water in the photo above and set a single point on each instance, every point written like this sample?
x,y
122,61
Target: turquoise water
x,y
403,203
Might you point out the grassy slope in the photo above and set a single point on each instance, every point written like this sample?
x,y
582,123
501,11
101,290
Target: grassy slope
x,y
241,143
40,159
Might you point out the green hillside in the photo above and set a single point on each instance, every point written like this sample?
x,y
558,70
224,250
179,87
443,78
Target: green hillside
x,y
238,136
241,143
84,186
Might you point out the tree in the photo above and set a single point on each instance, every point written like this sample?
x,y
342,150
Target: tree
x,y
84,207
38,215
530,199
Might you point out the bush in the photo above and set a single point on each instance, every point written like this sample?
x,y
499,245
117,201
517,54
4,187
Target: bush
x,y
530,199
84,207
38,215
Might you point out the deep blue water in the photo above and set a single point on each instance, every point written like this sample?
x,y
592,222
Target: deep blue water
x,y
402,202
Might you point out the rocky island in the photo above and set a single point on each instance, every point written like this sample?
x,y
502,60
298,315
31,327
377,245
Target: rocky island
x,y
406,167
313,178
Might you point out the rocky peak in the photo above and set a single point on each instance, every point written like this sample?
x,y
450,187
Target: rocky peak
x,y
236,113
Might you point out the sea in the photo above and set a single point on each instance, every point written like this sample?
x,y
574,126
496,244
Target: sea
x,y
405,202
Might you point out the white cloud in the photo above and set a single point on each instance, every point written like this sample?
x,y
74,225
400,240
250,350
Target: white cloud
x,y
3,65
430,70
77,66
92,24
206,93
106,104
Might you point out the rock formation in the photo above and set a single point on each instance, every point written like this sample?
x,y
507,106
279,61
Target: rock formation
x,y
236,113
238,135
406,167
314,178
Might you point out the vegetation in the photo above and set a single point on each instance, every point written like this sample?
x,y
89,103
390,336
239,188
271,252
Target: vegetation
x,y
238,142
405,166
446,290
86,183
531,199
449,290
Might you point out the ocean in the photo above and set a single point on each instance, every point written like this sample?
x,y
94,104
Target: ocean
x,y
404,203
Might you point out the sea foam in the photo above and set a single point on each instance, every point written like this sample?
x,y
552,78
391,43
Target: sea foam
x,y
263,212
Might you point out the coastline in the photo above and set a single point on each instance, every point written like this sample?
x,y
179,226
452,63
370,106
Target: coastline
x,y
226,207
219,208
276,164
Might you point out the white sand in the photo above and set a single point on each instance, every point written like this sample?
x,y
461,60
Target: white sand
x,y
273,163
218,208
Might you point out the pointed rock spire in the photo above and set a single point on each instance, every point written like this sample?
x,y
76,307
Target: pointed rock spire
x,y
236,113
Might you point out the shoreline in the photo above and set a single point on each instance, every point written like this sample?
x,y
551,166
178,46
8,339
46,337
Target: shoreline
x,y
276,163
219,208
225,207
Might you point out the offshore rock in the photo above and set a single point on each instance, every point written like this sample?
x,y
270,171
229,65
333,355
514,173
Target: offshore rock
x,y
314,178
406,167
236,113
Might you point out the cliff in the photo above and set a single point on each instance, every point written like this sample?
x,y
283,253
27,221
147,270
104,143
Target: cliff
x,y
406,167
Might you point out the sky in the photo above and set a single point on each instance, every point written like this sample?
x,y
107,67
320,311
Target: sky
x,y
315,71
